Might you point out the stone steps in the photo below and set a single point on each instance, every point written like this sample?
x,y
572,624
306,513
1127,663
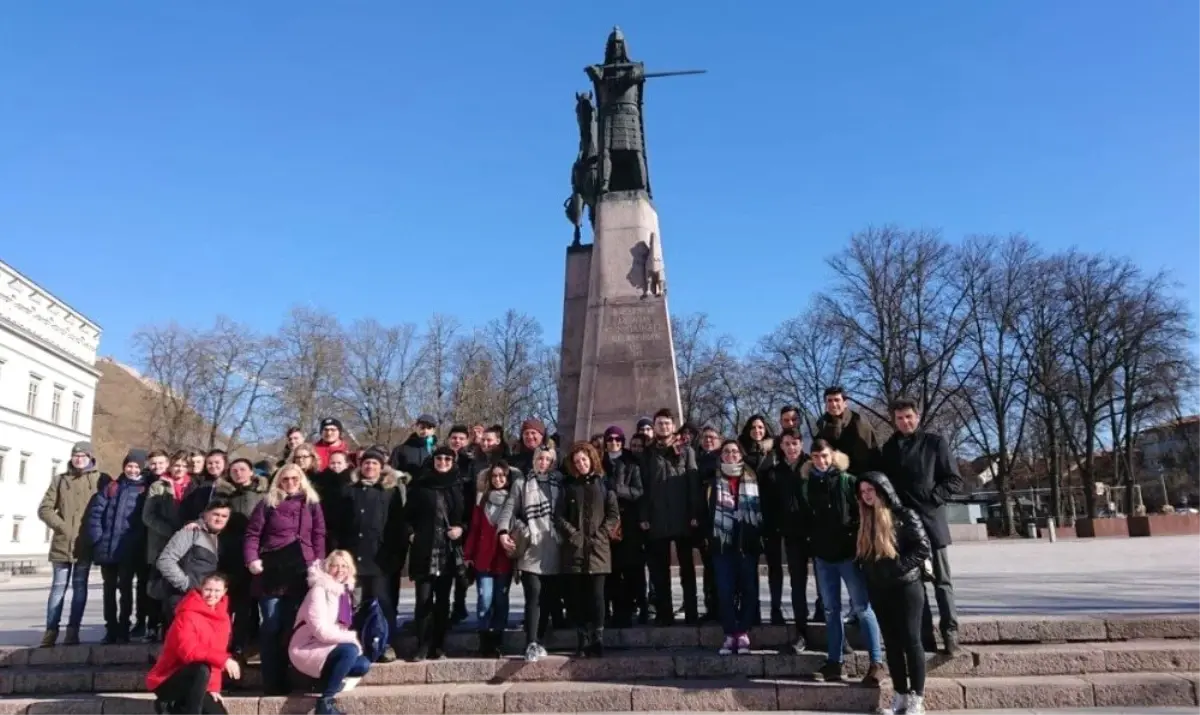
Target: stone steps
x,y
631,666
972,693
972,631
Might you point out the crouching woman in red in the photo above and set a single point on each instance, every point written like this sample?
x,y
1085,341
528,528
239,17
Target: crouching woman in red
x,y
187,676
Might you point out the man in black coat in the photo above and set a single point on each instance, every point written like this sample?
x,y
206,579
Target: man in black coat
x,y
925,475
413,454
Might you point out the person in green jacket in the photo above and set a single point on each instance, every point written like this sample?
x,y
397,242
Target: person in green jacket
x,y
64,510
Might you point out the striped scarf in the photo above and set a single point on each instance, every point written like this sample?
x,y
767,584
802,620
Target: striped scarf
x,y
728,511
540,493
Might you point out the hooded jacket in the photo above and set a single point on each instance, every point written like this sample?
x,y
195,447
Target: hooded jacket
x,y
317,631
198,634
64,509
114,521
912,544
190,556
369,518
434,505
324,450
831,500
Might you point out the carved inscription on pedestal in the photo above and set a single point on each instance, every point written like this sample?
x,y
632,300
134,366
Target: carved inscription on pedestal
x,y
635,332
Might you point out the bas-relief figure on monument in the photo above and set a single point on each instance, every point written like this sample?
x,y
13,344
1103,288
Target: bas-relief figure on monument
x,y
618,357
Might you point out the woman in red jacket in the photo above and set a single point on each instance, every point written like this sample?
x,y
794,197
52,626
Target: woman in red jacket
x,y
493,567
187,676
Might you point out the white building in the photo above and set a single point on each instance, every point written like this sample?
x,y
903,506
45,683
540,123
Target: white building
x,y
47,389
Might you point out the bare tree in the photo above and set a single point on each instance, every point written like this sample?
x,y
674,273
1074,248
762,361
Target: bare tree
x,y
512,344
800,359
232,365
994,275
896,302
436,376
700,361
544,389
1092,288
171,358
306,368
382,367
471,391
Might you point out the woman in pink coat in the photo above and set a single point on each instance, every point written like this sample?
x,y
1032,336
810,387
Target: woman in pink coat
x,y
323,646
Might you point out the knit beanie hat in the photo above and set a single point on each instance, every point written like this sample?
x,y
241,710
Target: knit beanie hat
x,y
644,422
331,422
614,431
135,456
534,424
374,453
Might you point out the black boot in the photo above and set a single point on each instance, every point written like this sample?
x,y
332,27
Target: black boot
x,y
596,648
327,706
581,644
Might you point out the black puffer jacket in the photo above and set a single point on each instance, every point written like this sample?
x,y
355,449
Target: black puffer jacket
x,y
912,544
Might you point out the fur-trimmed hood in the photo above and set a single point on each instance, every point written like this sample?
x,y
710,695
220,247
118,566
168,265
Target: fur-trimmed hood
x,y
389,478
225,487
319,578
840,461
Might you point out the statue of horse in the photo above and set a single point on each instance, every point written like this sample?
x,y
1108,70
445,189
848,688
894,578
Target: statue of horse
x,y
585,171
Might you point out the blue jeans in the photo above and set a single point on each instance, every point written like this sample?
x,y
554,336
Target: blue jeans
x,y
830,575
344,661
737,590
492,606
278,617
77,575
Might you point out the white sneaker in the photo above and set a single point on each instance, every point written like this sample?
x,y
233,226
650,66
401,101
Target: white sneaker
x,y
350,683
899,700
542,651
914,704
743,643
726,646
533,652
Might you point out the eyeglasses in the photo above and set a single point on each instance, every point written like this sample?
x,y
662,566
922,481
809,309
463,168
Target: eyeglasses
x,y
290,480
304,456
618,440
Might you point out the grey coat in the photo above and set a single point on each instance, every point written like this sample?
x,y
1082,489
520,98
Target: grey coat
x,y
538,539
188,557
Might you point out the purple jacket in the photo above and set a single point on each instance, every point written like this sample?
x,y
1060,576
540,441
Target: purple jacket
x,y
294,518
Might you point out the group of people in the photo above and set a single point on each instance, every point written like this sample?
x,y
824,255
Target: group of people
x,y
230,556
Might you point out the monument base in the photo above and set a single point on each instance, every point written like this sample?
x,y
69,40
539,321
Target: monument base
x,y
627,368
575,302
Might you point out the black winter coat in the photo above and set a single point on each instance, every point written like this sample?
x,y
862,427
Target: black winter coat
x,y
833,529
786,508
413,455
370,524
586,518
434,505
912,544
331,487
624,476
673,496
925,476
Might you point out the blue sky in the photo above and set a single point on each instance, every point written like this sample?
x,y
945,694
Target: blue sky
x,y
167,161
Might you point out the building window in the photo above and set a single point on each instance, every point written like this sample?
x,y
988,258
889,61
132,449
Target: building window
x,y
22,467
16,530
3,454
56,404
76,407
31,398
55,468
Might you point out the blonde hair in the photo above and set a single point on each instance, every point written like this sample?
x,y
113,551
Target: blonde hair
x,y
345,557
539,452
876,532
276,494
302,447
